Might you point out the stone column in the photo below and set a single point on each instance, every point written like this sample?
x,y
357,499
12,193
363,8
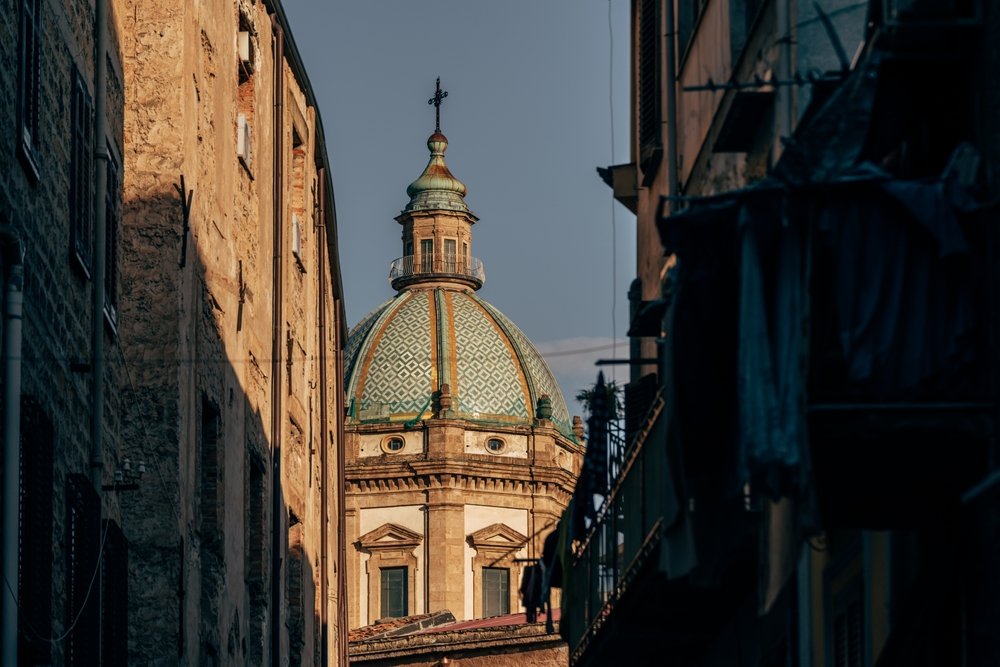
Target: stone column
x,y
446,552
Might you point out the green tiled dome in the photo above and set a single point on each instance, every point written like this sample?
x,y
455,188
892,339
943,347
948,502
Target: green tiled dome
x,y
401,353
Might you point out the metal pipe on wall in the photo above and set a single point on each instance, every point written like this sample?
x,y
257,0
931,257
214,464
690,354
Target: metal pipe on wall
x,y
12,313
277,280
100,250
324,430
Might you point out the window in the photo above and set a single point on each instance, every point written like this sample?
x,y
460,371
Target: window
x,y
34,580
256,552
393,444
211,476
394,592
80,179
83,544
496,591
465,257
450,252
27,83
495,445
649,71
112,208
427,255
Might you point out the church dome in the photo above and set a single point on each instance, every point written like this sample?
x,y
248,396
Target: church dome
x,y
401,353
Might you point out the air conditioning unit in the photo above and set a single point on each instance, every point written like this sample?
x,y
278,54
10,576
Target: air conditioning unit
x,y
243,139
297,237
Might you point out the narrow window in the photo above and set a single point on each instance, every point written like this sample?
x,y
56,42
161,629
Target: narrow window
x,y
255,556
80,183
465,258
426,255
83,544
34,581
496,591
27,80
394,592
211,474
450,255
112,208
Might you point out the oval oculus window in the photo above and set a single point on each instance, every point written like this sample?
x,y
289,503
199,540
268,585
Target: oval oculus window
x,y
394,444
495,445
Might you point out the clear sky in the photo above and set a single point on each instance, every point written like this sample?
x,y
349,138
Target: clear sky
x,y
528,118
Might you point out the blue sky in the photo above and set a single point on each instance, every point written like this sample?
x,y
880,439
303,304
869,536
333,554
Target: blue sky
x,y
528,118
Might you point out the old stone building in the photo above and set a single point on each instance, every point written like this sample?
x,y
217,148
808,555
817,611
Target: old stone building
x,y
231,319
460,450
62,441
168,211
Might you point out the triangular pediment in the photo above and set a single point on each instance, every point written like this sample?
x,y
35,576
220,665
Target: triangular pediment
x,y
390,536
497,536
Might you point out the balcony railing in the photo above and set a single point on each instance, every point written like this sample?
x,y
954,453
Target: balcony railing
x,y
622,536
412,268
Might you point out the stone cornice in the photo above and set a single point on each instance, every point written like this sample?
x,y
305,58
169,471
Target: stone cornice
x,y
421,474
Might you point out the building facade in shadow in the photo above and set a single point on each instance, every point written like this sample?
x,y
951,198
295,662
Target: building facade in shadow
x,y
172,342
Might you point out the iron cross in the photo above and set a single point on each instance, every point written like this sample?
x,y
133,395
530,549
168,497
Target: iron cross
x,y
439,96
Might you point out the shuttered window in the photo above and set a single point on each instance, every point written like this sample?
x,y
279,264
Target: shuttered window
x,y
81,205
394,592
83,543
496,591
112,208
649,58
27,71
427,255
34,580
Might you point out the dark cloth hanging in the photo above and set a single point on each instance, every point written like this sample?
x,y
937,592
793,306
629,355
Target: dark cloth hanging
x,y
531,592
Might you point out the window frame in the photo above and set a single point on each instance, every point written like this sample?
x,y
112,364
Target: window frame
x,y
384,590
502,593
451,261
81,180
112,223
427,255
385,444
28,82
491,439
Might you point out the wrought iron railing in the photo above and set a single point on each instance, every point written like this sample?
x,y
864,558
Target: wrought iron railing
x,y
403,269
624,532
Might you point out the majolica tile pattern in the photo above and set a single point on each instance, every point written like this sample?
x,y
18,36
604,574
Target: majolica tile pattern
x,y
399,354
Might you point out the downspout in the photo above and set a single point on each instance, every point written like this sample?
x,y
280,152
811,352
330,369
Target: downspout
x,y
324,583
100,251
277,519
341,486
12,310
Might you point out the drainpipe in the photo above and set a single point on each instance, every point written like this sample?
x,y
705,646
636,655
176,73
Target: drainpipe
x,y
324,583
341,336
100,252
277,518
12,309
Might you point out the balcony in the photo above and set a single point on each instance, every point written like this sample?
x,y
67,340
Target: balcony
x,y
411,269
